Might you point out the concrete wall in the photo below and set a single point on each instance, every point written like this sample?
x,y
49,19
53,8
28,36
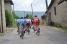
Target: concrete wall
x,y
8,6
4,7
0,14
3,16
61,13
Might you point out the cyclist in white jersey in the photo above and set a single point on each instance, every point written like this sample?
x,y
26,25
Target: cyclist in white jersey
x,y
28,25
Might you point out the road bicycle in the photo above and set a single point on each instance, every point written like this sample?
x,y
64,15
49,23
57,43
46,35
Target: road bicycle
x,y
38,31
22,32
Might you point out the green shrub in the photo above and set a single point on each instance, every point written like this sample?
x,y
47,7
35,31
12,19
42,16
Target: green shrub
x,y
29,16
9,18
14,15
60,26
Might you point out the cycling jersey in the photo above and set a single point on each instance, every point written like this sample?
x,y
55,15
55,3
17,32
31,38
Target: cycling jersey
x,y
18,22
28,21
36,21
22,21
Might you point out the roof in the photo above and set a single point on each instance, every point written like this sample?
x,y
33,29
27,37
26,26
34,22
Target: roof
x,y
52,1
10,1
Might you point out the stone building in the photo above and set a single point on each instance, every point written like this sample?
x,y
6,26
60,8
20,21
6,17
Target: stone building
x,y
57,12
4,4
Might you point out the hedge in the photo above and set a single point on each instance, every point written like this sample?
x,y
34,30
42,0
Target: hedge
x,y
9,18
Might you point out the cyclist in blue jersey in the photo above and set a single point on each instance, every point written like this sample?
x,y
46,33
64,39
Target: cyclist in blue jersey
x,y
23,24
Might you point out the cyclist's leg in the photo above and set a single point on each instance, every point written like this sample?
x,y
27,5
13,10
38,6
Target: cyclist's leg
x,y
24,28
38,31
17,28
28,28
21,31
33,27
36,28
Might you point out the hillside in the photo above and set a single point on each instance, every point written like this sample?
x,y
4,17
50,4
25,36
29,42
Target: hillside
x,y
22,13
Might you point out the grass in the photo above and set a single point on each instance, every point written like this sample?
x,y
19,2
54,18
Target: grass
x,y
9,30
65,29
2,34
60,26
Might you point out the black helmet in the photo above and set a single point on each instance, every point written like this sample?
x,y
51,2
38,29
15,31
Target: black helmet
x,y
35,15
21,18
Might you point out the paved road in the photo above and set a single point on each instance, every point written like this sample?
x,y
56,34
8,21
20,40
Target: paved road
x,y
48,35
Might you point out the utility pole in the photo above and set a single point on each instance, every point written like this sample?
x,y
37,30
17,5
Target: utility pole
x,y
32,9
24,14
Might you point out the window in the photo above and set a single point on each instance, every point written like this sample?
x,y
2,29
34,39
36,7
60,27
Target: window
x,y
55,11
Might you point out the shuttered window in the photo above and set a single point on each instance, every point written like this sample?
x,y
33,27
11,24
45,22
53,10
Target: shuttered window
x,y
55,11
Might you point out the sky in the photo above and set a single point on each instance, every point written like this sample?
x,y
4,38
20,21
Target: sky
x,y
25,5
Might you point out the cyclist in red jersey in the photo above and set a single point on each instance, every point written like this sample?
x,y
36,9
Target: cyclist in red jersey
x,y
36,22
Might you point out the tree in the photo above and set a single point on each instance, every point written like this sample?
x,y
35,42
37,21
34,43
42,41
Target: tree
x,y
29,16
9,18
14,15
43,17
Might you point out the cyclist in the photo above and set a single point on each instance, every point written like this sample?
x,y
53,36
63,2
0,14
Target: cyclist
x,y
36,22
28,25
23,23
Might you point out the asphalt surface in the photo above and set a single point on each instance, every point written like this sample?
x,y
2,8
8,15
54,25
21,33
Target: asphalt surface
x,y
48,35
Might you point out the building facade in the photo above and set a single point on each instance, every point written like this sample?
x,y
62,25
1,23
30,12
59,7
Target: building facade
x,y
57,12
4,4
8,4
2,16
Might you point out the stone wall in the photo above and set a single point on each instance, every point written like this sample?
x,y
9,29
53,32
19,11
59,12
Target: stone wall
x,y
61,13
